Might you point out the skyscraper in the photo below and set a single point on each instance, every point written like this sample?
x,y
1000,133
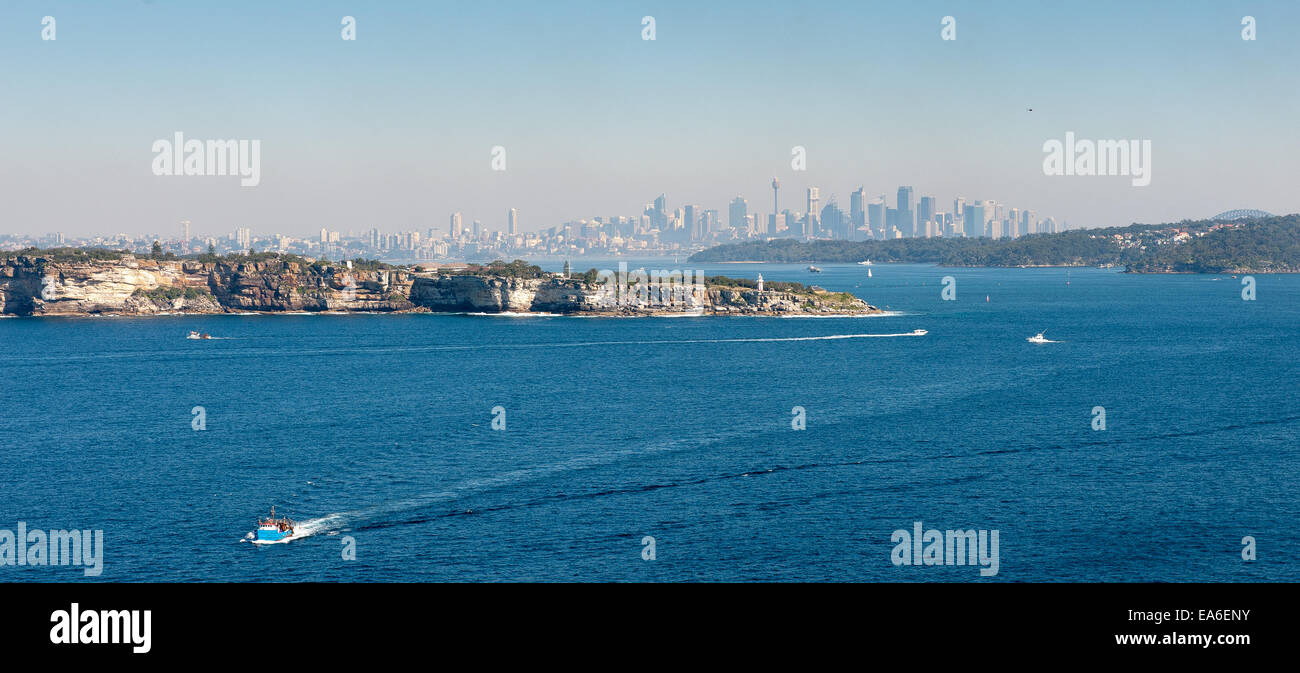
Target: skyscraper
x,y
906,218
775,224
876,217
833,221
185,231
925,212
692,223
736,213
457,225
710,220
512,221
974,220
659,216
776,185
814,206
857,210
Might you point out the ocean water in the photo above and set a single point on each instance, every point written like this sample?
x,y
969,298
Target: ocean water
x,y
377,430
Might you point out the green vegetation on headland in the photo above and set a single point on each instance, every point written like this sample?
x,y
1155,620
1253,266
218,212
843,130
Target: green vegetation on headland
x,y
516,269
779,286
171,293
1205,246
72,255
592,276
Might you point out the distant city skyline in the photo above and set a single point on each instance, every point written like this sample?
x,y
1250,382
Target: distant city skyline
x,y
398,129
659,228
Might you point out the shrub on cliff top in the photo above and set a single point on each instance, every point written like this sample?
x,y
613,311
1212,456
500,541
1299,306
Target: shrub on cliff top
x,y
74,254
171,293
780,286
516,269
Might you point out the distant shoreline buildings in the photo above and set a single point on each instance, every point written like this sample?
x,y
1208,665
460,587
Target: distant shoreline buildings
x,y
656,230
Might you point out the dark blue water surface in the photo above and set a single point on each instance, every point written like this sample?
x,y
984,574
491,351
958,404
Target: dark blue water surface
x,y
378,427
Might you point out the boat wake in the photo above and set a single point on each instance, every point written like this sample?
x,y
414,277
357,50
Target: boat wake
x,y
396,512
516,314
882,314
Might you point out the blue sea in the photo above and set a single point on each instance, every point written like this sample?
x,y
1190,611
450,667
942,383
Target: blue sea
x,y
375,432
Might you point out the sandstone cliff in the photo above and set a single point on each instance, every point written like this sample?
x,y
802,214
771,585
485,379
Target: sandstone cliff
x,y
124,284
39,286
491,294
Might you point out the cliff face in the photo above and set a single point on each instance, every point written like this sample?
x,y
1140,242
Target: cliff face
x,y
490,294
286,286
37,286
745,301
557,295
127,285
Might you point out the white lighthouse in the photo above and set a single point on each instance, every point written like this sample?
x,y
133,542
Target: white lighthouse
x,y
760,282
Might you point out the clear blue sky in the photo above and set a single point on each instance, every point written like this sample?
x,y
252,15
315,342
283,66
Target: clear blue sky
x,y
395,129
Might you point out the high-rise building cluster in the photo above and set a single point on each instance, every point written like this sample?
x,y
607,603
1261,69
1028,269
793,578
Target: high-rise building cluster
x,y
656,229
910,217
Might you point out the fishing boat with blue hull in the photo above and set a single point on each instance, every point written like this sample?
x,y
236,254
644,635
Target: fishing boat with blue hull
x,y
274,529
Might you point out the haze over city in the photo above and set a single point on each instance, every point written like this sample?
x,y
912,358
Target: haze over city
x,y
395,130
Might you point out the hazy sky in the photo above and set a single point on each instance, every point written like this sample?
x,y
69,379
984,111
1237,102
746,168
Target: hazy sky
x,y
396,128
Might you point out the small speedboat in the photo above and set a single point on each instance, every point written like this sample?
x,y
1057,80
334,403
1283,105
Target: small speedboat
x,y
814,269
919,332
274,529
196,335
865,263
1038,339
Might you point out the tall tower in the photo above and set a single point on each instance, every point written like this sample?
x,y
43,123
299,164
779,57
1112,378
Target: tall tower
x,y
857,211
776,185
810,218
736,213
512,224
906,217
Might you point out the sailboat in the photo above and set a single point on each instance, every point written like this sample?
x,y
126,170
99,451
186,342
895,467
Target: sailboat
x,y
868,273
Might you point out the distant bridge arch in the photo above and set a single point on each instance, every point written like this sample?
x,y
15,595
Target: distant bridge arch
x,y
1240,214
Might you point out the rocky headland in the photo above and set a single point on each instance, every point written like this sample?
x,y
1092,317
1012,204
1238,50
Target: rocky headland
x,y
124,284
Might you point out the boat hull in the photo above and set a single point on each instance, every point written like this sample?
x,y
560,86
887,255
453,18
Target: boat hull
x,y
272,534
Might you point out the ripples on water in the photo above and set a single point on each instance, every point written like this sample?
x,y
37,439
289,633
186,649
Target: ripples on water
x,y
379,428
